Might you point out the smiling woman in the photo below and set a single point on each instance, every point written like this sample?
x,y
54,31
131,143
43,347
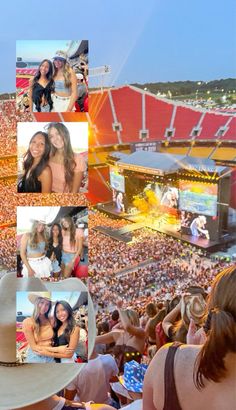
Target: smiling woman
x,y
41,87
67,167
37,175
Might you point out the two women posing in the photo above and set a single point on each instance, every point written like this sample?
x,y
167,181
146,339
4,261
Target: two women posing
x,y
54,86
50,165
50,338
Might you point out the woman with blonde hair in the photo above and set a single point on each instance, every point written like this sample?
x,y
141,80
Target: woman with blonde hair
x,y
38,328
129,339
199,376
33,251
65,84
67,167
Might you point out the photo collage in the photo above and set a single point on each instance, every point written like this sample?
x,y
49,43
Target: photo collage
x,y
117,237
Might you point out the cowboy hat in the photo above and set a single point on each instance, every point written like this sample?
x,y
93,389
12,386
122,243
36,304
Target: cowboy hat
x,y
193,307
60,55
26,384
33,296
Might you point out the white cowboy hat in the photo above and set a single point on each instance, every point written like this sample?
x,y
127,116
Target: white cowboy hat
x,y
26,384
60,55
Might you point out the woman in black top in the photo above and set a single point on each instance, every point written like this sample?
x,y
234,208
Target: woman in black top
x,y
41,88
66,332
37,175
55,249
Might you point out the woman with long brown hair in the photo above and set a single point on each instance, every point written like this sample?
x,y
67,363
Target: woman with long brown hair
x,y
37,176
65,84
67,167
199,376
41,88
72,245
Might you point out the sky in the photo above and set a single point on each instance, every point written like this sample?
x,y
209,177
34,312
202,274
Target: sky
x,y
78,133
37,50
151,41
26,307
25,215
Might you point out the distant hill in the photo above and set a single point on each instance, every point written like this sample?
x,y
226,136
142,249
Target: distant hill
x,y
186,88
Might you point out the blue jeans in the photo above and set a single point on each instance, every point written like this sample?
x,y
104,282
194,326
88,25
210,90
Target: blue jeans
x,y
67,257
33,357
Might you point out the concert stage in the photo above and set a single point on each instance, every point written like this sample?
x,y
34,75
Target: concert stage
x,y
140,221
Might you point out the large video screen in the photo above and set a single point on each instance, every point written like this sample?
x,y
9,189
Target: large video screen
x,y
117,180
199,226
157,196
198,197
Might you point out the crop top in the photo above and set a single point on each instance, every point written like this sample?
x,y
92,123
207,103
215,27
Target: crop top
x,y
60,87
66,241
58,173
40,248
37,93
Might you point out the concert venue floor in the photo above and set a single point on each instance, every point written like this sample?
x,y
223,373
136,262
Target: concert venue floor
x,y
125,234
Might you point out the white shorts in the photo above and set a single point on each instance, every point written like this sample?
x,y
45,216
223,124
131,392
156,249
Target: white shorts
x,y
42,267
60,104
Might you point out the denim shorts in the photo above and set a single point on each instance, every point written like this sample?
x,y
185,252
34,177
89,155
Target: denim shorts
x,y
55,266
32,357
67,257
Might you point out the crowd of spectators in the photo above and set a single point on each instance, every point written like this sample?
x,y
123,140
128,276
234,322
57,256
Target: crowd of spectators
x,y
170,266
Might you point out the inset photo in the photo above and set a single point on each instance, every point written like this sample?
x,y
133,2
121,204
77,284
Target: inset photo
x,y
52,75
51,327
52,242
52,157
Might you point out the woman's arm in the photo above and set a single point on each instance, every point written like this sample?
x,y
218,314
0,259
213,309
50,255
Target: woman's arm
x,y
46,180
65,351
133,330
76,183
74,91
28,329
31,95
171,318
106,338
23,252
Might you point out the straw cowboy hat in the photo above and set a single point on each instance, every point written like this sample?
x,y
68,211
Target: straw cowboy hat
x,y
33,296
26,384
193,307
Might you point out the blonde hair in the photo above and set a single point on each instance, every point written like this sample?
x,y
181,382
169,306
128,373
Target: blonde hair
x,y
36,313
133,317
66,71
33,235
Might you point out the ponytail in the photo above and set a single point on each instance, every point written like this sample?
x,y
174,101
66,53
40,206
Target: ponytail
x,y
221,340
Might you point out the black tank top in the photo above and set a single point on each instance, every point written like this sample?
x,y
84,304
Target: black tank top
x,y
171,398
25,186
61,341
37,93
